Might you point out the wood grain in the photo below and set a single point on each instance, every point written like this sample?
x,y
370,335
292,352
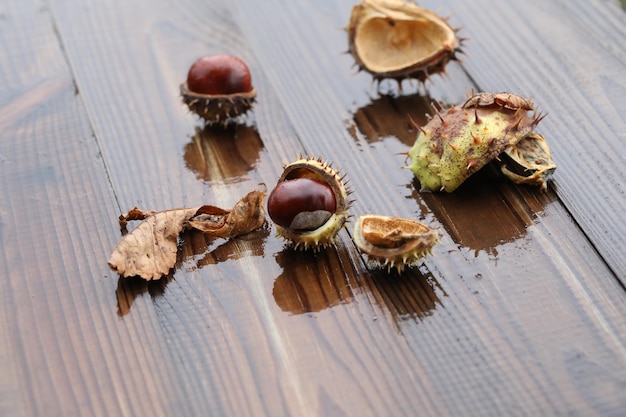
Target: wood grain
x,y
518,312
57,209
569,56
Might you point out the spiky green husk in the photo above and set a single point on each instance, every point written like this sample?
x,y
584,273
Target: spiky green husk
x,y
458,142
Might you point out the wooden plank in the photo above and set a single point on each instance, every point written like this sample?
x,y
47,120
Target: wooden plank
x,y
495,230
228,361
60,340
569,56
132,95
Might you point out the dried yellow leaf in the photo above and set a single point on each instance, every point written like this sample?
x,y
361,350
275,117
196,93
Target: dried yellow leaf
x,y
149,251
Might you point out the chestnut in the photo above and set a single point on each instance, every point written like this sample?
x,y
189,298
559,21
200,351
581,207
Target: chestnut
x,y
309,204
301,203
218,88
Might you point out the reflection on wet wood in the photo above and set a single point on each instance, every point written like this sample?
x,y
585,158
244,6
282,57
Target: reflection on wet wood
x,y
390,116
195,251
306,284
493,201
413,295
223,154
130,288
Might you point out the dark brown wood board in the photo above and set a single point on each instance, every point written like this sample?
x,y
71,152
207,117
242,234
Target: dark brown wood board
x,y
570,57
57,218
519,311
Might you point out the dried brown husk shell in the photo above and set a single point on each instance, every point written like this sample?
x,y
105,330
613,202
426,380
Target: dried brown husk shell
x,y
393,242
529,161
218,108
503,99
396,39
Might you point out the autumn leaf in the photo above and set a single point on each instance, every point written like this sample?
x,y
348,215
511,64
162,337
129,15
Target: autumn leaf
x,y
149,251
246,216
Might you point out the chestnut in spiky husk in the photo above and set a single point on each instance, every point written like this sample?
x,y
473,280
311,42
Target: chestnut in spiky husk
x,y
399,40
309,204
393,242
460,140
218,88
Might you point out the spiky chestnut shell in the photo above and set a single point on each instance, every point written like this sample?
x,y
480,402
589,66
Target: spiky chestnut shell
x,y
218,88
460,140
529,161
393,242
399,40
316,224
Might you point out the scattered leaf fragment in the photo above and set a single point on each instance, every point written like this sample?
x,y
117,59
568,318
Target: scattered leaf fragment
x,y
149,251
246,216
134,214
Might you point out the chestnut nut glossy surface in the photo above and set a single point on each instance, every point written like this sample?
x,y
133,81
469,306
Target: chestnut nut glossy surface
x,y
219,75
301,204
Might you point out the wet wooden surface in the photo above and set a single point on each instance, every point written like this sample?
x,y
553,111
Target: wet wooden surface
x,y
520,310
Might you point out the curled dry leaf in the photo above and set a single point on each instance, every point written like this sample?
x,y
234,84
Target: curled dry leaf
x,y
246,216
149,250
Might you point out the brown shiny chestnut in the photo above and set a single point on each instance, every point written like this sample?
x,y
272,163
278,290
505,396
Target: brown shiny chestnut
x,y
301,204
219,75
218,88
309,204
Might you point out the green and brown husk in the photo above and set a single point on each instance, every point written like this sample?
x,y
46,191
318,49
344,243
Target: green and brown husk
x,y
460,140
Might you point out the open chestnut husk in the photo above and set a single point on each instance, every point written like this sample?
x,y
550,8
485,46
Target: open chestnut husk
x,y
309,204
393,242
399,40
462,139
218,88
